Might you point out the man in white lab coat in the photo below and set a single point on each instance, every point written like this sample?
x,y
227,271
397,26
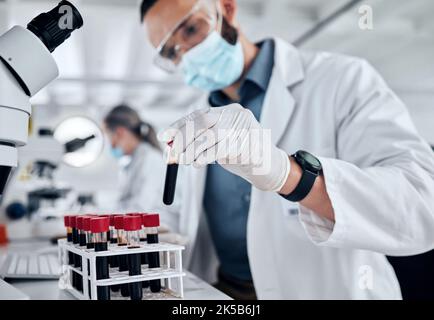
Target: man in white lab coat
x,y
312,224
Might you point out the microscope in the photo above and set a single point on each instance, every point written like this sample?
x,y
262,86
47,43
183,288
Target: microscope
x,y
26,67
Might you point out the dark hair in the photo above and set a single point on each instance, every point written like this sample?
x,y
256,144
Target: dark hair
x,y
144,8
124,116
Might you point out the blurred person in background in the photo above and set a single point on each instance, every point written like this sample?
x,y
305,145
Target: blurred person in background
x,y
133,142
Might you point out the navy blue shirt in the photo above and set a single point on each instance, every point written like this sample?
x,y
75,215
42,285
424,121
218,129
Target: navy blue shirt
x,y
227,196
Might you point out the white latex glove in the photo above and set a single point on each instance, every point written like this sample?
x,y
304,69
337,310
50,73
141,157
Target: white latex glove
x,y
233,138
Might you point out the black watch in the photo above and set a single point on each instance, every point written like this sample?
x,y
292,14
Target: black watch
x,y
312,168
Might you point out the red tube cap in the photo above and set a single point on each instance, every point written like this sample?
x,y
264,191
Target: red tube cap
x,y
151,220
79,222
86,223
112,219
119,222
135,214
73,221
66,221
99,225
132,223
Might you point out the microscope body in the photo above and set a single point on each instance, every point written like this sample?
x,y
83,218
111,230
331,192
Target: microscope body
x,y
26,66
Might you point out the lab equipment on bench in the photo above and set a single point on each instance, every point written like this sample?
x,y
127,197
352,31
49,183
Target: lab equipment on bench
x,y
30,265
97,277
36,192
27,66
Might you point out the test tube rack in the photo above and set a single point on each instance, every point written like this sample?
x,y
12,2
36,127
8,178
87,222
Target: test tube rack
x,y
170,273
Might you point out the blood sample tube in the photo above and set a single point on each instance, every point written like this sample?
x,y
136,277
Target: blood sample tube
x,y
151,223
171,178
108,232
142,235
132,226
82,239
113,260
90,243
143,256
113,234
82,242
68,227
123,260
77,279
170,184
99,228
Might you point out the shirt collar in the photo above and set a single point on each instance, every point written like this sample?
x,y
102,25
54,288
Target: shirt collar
x,y
262,67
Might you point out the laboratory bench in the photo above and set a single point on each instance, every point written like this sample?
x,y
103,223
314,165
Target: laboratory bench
x,y
194,288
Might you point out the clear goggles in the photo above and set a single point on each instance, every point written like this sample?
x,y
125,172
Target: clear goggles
x,y
204,18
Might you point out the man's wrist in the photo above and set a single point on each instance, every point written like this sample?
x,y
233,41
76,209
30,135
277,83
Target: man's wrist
x,y
293,179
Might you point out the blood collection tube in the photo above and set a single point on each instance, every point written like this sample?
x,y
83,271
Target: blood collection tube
x,y
73,223
68,228
77,279
108,232
151,223
123,260
82,239
171,178
113,233
142,233
90,243
99,228
82,242
67,222
132,226
143,256
113,260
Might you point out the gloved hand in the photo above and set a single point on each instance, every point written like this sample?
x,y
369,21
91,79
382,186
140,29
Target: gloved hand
x,y
232,137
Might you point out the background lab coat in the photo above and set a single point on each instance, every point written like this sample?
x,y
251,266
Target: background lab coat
x,y
142,183
382,186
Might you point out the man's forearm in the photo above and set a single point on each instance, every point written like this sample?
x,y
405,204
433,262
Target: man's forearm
x,y
317,200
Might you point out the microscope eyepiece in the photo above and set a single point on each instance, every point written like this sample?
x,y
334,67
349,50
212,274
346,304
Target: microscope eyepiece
x,y
55,26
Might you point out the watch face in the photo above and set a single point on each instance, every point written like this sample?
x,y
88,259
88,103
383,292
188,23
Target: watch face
x,y
309,160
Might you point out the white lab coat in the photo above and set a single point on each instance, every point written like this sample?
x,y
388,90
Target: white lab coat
x,y
141,186
379,175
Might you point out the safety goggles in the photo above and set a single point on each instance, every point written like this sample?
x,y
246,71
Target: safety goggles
x,y
204,18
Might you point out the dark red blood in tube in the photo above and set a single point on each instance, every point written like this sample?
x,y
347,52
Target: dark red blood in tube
x,y
170,183
99,228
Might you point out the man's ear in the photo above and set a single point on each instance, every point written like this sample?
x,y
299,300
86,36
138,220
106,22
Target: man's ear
x,y
229,8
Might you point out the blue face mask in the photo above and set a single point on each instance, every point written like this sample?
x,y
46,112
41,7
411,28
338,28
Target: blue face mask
x,y
117,152
214,64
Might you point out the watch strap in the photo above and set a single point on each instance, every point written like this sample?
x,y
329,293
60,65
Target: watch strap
x,y
304,187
